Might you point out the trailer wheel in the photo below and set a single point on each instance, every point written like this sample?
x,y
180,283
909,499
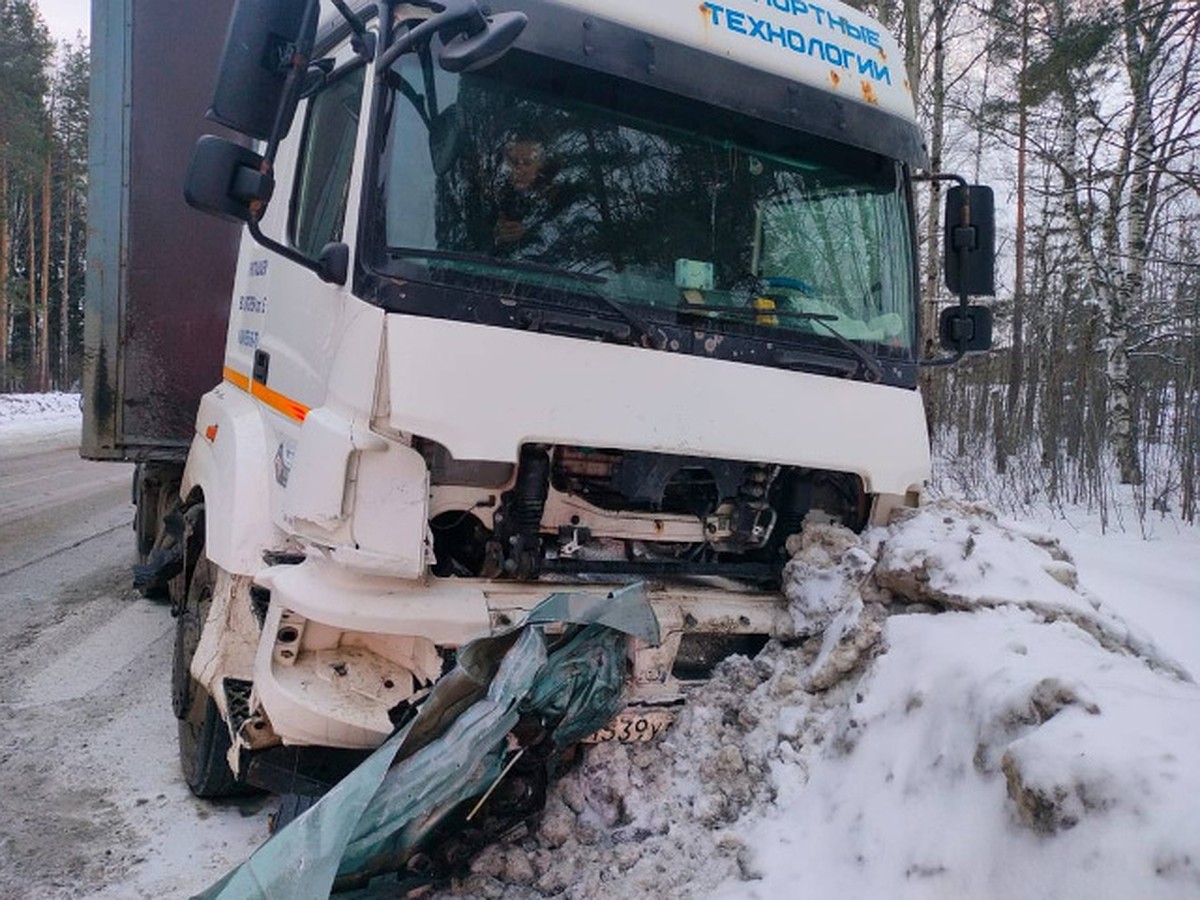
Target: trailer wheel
x,y
203,736
145,512
155,494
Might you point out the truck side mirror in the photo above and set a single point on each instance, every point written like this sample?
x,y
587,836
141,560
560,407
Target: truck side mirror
x,y
966,329
468,52
470,38
226,180
266,38
970,241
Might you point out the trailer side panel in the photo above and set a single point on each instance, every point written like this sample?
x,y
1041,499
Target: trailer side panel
x,y
159,274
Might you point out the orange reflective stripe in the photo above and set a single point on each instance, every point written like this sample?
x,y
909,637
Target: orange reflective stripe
x,y
236,378
277,401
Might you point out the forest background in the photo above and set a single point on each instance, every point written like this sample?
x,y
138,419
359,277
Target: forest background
x,y
1084,115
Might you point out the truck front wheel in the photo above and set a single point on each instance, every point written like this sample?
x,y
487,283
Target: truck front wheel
x,y
203,736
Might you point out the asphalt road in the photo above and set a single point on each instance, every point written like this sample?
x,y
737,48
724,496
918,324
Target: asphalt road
x,y
52,502
91,802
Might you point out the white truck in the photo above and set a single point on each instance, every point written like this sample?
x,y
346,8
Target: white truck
x,y
556,292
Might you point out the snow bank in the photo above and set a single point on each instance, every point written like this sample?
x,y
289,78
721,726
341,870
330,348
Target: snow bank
x,y
995,755
1154,581
956,556
17,409
959,719
42,420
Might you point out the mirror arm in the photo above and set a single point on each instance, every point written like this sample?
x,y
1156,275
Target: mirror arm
x,y
404,43
940,176
465,15
364,41
315,265
293,83
943,360
963,300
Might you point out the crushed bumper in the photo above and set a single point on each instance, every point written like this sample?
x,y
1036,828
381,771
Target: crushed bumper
x,y
340,650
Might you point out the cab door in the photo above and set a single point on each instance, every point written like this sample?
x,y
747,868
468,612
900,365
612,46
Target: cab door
x,y
285,321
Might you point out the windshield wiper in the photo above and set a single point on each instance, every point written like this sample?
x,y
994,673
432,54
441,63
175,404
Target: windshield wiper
x,y
641,333
555,321
645,332
874,370
870,363
835,365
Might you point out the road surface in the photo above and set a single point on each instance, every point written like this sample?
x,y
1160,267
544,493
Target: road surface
x,y
92,802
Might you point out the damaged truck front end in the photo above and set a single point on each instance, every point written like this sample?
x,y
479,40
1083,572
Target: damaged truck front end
x,y
547,317
539,302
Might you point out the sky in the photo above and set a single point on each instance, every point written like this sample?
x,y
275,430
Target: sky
x,y
66,17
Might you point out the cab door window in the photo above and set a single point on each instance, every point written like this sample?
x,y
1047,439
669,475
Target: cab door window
x,y
318,210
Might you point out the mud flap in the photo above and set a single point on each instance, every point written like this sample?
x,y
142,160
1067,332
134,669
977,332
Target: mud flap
x,y
458,746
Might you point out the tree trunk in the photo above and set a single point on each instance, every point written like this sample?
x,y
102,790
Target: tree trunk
x,y
936,140
4,331
1120,386
32,366
44,300
64,314
1141,56
912,44
1115,271
1012,434
1191,445
929,299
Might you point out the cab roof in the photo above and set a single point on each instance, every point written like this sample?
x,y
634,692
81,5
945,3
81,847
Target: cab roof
x,y
828,45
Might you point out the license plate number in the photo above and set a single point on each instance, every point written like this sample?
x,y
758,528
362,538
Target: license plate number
x,y
633,727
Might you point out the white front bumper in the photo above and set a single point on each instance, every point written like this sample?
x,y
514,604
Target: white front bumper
x,y
322,618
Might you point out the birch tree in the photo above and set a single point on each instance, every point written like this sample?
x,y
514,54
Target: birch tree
x,y
1116,178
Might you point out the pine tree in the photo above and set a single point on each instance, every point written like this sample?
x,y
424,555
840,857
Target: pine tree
x,y
71,146
25,52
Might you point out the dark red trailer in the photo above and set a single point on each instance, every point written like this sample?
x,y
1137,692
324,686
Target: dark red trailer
x,y
159,273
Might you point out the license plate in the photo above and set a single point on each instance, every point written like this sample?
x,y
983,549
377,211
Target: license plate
x,y
633,727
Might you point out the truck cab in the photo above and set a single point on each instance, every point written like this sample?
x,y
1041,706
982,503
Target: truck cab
x,y
565,294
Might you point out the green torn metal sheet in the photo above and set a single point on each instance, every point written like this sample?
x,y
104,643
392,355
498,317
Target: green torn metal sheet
x,y
456,747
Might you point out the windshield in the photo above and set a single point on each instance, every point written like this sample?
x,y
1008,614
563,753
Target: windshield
x,y
485,175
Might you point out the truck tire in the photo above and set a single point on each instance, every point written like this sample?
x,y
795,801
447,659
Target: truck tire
x,y
155,495
203,736
145,512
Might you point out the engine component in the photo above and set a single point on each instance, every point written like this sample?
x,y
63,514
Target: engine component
x,y
646,482
604,512
516,548
748,521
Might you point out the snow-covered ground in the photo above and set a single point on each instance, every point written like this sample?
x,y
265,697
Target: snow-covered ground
x,y
1154,582
38,421
967,717
972,707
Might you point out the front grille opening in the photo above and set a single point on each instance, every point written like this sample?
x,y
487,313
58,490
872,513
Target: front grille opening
x,y
237,701
700,652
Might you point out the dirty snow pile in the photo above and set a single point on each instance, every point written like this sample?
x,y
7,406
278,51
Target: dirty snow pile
x,y
18,409
954,718
27,418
